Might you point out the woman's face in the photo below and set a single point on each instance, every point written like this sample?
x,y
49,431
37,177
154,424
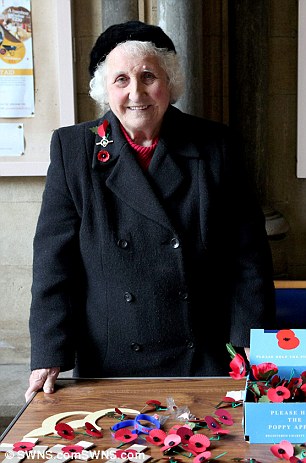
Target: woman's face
x,y
138,92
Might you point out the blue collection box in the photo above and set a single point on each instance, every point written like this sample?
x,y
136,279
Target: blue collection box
x,y
269,422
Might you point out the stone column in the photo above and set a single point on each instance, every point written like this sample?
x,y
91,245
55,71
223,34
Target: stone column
x,y
249,61
118,11
249,65
182,21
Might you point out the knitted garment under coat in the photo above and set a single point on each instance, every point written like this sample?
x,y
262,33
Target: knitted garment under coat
x,y
144,153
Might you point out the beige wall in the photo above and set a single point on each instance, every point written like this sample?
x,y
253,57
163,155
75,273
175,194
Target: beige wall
x,y
19,205
20,197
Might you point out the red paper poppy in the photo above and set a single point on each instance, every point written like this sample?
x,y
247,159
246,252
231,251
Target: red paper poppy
x,y
125,453
238,367
214,426
72,449
23,446
264,371
174,429
287,339
92,431
278,394
229,401
156,437
294,383
65,431
172,440
275,381
284,450
303,388
153,402
198,443
103,156
296,460
125,435
185,434
263,388
202,457
225,417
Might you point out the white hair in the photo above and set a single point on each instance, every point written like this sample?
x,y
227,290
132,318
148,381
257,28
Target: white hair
x,y
168,60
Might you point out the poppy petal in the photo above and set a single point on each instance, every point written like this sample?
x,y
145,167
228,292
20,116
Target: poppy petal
x,y
284,450
172,440
225,417
156,437
125,435
23,446
278,394
214,426
153,402
65,431
72,449
202,457
92,431
185,434
287,339
198,443
174,429
238,367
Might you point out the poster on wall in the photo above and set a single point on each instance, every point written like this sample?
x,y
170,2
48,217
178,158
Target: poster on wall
x,y
16,59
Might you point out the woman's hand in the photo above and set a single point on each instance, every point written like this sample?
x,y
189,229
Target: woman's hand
x,y
42,379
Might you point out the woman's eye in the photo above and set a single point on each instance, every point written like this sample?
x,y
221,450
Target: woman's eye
x,y
148,77
121,80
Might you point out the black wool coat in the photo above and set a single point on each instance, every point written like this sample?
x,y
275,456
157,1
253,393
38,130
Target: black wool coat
x,y
147,273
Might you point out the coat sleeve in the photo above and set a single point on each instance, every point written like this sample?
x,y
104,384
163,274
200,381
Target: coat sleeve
x,y
252,288
56,252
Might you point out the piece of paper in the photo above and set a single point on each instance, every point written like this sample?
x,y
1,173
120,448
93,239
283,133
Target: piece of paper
x,y
11,139
16,59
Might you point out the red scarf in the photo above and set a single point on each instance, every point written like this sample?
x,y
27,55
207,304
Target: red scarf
x,y
144,153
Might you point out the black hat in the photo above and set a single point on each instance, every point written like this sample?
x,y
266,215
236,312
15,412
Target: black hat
x,y
131,30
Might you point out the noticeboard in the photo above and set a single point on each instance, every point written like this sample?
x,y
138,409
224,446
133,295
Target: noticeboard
x,y
48,26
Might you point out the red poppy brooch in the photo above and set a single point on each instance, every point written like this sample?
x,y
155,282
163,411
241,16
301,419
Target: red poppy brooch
x,y
103,131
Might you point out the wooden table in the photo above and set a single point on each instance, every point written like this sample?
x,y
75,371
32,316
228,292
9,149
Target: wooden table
x,y
199,395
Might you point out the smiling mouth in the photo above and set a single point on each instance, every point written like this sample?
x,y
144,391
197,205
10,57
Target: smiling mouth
x,y
138,108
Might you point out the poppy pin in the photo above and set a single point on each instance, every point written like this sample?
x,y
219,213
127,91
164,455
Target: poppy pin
x,y
103,156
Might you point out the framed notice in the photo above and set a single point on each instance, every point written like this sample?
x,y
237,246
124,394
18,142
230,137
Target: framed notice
x,y
37,89
16,59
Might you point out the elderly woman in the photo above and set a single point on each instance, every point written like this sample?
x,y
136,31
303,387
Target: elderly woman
x,y
150,251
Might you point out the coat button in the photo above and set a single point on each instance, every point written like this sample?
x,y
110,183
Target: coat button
x,y
183,296
136,347
175,243
123,244
128,297
190,345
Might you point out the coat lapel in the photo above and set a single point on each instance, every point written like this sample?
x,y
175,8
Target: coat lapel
x,y
125,177
144,192
132,186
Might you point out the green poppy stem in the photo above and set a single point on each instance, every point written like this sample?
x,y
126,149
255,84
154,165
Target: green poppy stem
x,y
221,455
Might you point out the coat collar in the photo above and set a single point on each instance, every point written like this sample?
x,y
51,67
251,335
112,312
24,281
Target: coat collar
x,y
175,138
144,192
